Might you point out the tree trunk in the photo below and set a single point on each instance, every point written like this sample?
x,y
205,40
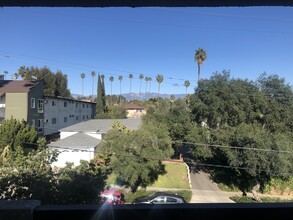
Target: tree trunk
x,y
198,73
254,192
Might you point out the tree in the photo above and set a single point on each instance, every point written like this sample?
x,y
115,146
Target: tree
x,y
130,77
146,85
136,155
120,79
61,85
150,79
140,77
200,57
103,90
22,72
5,73
186,84
82,78
14,76
159,79
100,107
93,73
111,80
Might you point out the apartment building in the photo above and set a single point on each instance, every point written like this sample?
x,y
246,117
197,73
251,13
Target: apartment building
x,y
24,99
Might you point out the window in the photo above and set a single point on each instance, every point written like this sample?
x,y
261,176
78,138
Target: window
x,y
33,123
40,125
40,106
65,104
171,200
160,199
83,105
53,103
33,103
54,121
76,117
76,105
65,119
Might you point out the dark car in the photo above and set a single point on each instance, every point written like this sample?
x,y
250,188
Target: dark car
x,y
160,198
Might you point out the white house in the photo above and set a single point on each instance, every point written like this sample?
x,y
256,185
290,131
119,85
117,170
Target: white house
x,y
80,141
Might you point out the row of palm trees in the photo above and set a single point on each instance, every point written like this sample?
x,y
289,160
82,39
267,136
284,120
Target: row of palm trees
x,y
148,80
200,56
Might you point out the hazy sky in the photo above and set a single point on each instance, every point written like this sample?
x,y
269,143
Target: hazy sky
x,y
118,41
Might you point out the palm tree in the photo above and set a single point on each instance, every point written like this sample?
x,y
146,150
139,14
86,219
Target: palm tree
x,y
199,57
14,76
130,77
82,78
140,77
5,73
102,78
22,72
146,85
186,84
111,80
150,79
120,79
93,76
159,79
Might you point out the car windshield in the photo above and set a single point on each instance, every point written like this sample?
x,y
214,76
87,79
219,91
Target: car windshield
x,y
191,101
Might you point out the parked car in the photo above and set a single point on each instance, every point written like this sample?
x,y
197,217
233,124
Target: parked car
x,y
111,196
160,198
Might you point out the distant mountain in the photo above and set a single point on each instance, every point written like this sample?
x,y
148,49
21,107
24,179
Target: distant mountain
x,y
142,96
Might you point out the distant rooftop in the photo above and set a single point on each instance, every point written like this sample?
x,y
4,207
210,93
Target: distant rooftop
x,y
102,125
16,86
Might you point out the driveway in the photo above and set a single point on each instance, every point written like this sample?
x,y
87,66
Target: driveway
x,y
204,190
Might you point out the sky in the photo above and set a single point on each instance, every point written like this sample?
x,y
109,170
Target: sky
x,y
247,41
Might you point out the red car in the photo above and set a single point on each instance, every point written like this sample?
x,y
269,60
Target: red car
x,y
112,196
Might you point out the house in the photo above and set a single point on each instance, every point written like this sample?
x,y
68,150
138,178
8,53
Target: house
x,y
134,110
79,141
23,99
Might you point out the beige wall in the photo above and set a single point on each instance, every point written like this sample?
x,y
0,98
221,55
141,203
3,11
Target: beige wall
x,y
16,106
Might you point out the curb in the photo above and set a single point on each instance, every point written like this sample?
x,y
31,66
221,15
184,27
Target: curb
x,y
188,175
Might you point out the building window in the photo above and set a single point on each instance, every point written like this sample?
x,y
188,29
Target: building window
x,y
40,125
33,103
53,103
83,105
76,117
65,119
54,121
33,123
65,104
83,117
87,105
76,105
40,106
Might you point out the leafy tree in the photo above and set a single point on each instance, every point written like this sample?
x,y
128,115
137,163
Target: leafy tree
x,y
200,57
14,76
136,155
116,112
55,84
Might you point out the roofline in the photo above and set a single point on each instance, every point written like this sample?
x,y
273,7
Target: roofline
x,y
68,99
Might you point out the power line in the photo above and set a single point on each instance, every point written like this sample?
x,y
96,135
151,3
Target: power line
x,y
233,147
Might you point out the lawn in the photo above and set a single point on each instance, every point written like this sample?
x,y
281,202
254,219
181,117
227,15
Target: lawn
x,y
176,176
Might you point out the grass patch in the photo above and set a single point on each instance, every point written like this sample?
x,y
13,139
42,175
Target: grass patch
x,y
176,176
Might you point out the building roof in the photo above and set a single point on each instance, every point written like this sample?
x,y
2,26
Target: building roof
x,y
76,141
132,106
102,125
16,86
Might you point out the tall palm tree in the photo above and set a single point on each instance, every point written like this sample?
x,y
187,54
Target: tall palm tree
x,y
22,72
14,76
82,78
159,79
146,85
120,79
130,77
111,80
140,77
93,76
150,80
186,84
199,57
5,73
